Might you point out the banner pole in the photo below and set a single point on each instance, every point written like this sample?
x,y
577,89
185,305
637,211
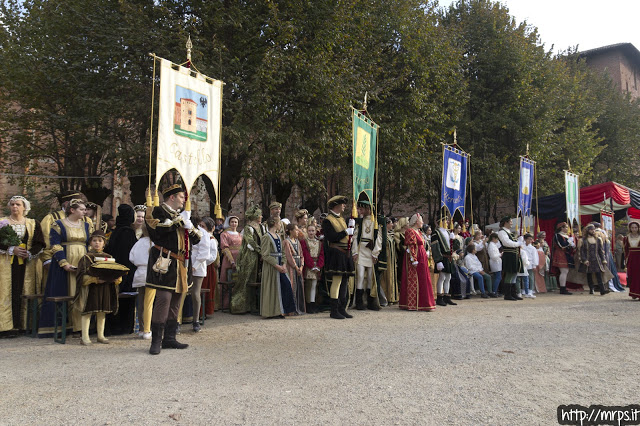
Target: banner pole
x,y
535,178
470,190
153,93
442,189
217,210
354,211
375,189
578,198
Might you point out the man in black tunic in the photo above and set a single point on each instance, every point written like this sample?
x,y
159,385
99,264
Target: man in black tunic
x,y
338,266
173,235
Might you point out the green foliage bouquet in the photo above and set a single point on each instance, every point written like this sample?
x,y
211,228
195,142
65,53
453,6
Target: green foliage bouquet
x,y
8,236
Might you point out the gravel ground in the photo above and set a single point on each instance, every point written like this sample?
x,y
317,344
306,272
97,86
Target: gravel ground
x,y
485,361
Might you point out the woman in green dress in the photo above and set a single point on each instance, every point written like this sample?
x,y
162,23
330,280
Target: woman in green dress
x,y
249,263
276,294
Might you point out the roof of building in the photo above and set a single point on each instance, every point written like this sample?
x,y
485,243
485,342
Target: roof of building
x,y
628,49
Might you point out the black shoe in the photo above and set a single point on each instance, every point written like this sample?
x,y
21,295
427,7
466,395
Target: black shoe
x,y
514,293
157,331
508,293
196,327
169,341
334,309
372,304
493,295
440,301
311,308
342,309
468,296
484,296
359,302
563,290
448,301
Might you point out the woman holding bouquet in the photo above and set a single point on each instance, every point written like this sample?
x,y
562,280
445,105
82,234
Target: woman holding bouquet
x,y
21,241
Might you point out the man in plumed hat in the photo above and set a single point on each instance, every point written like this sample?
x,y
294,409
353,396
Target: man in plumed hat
x,y
173,236
338,266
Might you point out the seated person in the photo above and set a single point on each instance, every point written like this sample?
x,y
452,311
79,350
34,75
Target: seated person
x,y
474,266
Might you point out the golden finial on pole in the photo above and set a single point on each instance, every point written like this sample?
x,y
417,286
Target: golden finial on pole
x,y
189,45
364,104
455,136
527,149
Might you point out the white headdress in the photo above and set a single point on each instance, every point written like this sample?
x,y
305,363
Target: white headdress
x,y
25,202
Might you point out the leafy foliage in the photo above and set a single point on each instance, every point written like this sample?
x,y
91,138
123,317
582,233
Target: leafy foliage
x,y
77,93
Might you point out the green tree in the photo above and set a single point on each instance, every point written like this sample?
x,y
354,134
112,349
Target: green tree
x,y
76,92
519,95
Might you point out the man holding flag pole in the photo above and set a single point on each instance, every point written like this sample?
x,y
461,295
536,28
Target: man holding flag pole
x,y
368,245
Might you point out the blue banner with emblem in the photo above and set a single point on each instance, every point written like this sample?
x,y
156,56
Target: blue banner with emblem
x,y
454,180
525,191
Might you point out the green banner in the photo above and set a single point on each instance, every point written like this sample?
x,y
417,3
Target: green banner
x,y
572,192
365,134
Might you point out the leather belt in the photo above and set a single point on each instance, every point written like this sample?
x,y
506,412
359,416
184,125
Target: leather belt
x,y
169,252
338,248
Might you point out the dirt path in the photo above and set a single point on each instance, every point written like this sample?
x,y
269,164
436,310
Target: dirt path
x,y
482,362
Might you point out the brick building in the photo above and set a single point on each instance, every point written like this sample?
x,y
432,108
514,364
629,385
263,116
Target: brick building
x,y
621,62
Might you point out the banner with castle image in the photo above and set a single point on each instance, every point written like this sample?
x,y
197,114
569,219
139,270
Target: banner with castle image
x,y
189,124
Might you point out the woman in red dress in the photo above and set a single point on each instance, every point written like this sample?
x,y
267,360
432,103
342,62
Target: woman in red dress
x,y
211,280
416,293
632,259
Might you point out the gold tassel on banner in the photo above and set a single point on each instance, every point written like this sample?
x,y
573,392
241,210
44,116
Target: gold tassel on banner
x,y
217,211
156,199
354,210
187,205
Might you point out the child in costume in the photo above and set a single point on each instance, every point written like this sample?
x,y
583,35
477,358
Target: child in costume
x,y
313,264
97,278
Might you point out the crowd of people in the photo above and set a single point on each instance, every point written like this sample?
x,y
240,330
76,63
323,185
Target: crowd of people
x,y
163,257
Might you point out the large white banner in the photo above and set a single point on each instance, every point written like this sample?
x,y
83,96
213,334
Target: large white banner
x,y
190,121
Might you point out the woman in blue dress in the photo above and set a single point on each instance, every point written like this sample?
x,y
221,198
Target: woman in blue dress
x,y
69,238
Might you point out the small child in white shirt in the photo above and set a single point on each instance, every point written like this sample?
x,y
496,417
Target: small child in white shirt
x,y
531,254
